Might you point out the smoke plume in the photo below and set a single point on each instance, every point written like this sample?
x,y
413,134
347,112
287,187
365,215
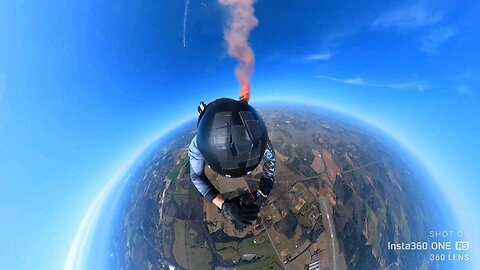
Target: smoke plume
x,y
236,35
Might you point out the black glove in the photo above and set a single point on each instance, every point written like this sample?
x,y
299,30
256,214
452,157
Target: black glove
x,y
243,213
255,198
265,186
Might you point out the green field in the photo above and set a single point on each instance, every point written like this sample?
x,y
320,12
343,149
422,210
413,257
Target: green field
x,y
258,245
179,249
268,263
199,258
173,175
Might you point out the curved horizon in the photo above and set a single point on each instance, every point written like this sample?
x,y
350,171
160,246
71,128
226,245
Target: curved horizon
x,y
89,222
84,86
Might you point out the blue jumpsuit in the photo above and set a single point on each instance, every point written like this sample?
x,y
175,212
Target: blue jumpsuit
x,y
206,188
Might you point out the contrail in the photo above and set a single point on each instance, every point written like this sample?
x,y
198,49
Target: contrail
x,y
236,35
185,15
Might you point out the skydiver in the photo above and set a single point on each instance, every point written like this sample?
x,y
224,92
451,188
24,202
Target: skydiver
x,y
232,140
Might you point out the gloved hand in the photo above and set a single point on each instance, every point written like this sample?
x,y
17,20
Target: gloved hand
x,y
243,213
256,198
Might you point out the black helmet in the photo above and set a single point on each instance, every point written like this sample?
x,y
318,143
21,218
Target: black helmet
x,y
231,137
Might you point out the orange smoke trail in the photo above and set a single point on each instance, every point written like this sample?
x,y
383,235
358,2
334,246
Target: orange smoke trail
x,y
236,35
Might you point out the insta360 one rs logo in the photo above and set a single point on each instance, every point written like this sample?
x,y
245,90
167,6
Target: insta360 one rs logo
x,y
462,245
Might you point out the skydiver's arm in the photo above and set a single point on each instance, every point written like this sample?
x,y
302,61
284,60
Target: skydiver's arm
x,y
197,174
269,169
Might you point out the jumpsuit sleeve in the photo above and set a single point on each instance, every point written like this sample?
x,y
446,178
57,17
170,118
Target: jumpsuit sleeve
x,y
269,169
197,172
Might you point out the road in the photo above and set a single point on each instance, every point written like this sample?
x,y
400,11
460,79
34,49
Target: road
x,y
330,230
268,234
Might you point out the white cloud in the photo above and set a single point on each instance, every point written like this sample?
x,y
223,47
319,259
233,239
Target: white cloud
x,y
354,81
319,57
415,85
462,89
338,35
409,17
430,42
3,85
408,85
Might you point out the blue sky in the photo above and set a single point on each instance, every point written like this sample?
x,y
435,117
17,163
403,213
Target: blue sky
x,y
85,86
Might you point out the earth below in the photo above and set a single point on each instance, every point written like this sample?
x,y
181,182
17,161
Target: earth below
x,y
340,196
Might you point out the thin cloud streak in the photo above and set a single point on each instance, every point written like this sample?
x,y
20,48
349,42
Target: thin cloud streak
x,y
437,36
357,81
462,89
408,17
3,85
185,16
319,57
